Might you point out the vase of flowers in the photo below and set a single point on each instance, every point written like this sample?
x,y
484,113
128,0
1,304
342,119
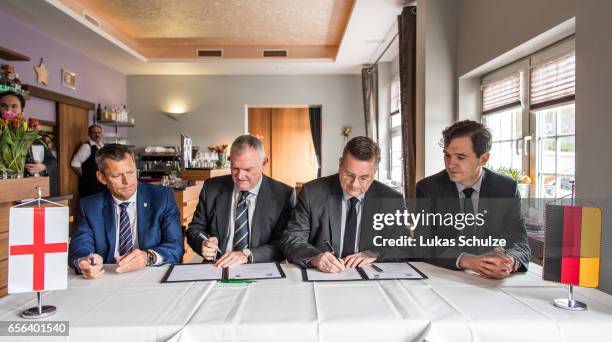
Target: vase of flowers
x,y
221,151
16,137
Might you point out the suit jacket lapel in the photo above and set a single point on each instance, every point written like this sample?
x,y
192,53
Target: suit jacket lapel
x,y
334,206
261,208
223,213
142,214
108,213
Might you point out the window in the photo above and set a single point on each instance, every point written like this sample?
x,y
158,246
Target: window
x,y
395,126
532,100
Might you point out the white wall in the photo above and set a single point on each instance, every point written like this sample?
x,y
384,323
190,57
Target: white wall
x,y
436,80
216,106
593,119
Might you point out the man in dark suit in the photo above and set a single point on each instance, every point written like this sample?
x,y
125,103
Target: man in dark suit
x,y
466,187
133,225
340,209
243,214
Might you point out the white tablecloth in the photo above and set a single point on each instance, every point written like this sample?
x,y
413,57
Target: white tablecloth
x,y
449,306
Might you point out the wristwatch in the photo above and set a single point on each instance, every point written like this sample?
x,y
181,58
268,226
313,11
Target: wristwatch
x,y
151,258
247,253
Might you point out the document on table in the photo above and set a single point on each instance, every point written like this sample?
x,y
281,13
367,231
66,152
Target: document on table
x,y
192,272
266,270
385,271
312,274
392,270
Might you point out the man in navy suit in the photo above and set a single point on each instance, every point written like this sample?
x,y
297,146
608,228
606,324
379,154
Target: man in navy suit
x,y
133,225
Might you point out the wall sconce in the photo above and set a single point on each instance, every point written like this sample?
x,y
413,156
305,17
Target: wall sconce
x,y
175,116
176,111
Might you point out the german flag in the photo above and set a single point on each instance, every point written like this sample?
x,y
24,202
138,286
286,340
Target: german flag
x,y
572,245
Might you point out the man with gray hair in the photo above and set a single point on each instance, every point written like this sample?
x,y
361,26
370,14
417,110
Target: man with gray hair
x,y
332,225
130,224
242,215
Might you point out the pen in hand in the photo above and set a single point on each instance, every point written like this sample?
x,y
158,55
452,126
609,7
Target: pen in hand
x,y
205,238
92,260
331,250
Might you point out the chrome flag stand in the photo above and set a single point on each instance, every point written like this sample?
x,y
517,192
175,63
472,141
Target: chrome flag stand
x,y
570,303
39,311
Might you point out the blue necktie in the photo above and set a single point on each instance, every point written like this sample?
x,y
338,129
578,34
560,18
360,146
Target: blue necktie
x,y
241,225
125,230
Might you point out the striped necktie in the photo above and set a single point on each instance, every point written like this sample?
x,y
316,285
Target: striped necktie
x,y
125,230
241,225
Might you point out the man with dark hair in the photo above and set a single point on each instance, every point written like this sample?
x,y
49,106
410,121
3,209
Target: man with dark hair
x,y
133,225
84,164
465,187
340,209
14,102
243,214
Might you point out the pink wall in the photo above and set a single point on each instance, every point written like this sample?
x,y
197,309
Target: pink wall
x,y
95,82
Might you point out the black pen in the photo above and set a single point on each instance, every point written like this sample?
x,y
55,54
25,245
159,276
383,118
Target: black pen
x,y
331,250
205,237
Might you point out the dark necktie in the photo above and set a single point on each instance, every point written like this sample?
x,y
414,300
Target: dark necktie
x,y
468,205
125,230
241,225
350,228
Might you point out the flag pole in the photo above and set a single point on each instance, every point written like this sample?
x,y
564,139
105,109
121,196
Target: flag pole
x,y
39,311
570,303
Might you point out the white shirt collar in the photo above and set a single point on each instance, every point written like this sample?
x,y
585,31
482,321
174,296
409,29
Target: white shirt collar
x,y
346,196
476,186
100,145
253,191
131,199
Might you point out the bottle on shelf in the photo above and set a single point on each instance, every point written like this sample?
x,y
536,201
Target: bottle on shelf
x,y
99,113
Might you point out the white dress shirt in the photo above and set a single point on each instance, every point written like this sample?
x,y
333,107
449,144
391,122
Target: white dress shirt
x,y
84,153
251,201
475,197
133,218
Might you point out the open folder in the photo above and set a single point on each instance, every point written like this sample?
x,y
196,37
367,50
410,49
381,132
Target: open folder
x,y
377,271
203,272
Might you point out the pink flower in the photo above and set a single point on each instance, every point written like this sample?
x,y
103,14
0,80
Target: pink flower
x,y
8,115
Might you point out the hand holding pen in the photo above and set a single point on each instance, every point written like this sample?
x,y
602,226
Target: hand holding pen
x,y
210,247
91,266
328,261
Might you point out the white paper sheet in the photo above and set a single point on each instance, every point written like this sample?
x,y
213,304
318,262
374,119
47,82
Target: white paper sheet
x,y
194,272
265,270
392,270
348,274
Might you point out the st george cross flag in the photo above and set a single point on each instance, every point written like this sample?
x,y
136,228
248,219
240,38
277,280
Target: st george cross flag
x,y
38,249
572,245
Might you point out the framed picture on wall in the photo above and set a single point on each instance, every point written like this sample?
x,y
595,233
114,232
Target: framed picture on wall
x,y
68,79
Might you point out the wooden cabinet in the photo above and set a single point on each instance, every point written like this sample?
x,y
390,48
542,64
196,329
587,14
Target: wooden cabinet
x,y
202,175
187,202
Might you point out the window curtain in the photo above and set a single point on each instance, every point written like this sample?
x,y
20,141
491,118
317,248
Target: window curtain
x,y
407,70
315,130
369,78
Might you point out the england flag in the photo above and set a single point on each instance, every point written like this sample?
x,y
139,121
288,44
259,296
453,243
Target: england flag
x,y
38,249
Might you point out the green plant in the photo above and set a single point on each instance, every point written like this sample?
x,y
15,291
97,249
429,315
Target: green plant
x,y
511,172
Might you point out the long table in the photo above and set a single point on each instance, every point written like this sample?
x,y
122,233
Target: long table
x,y
448,306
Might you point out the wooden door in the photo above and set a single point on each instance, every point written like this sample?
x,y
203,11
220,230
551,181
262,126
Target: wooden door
x,y
72,124
259,124
288,142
